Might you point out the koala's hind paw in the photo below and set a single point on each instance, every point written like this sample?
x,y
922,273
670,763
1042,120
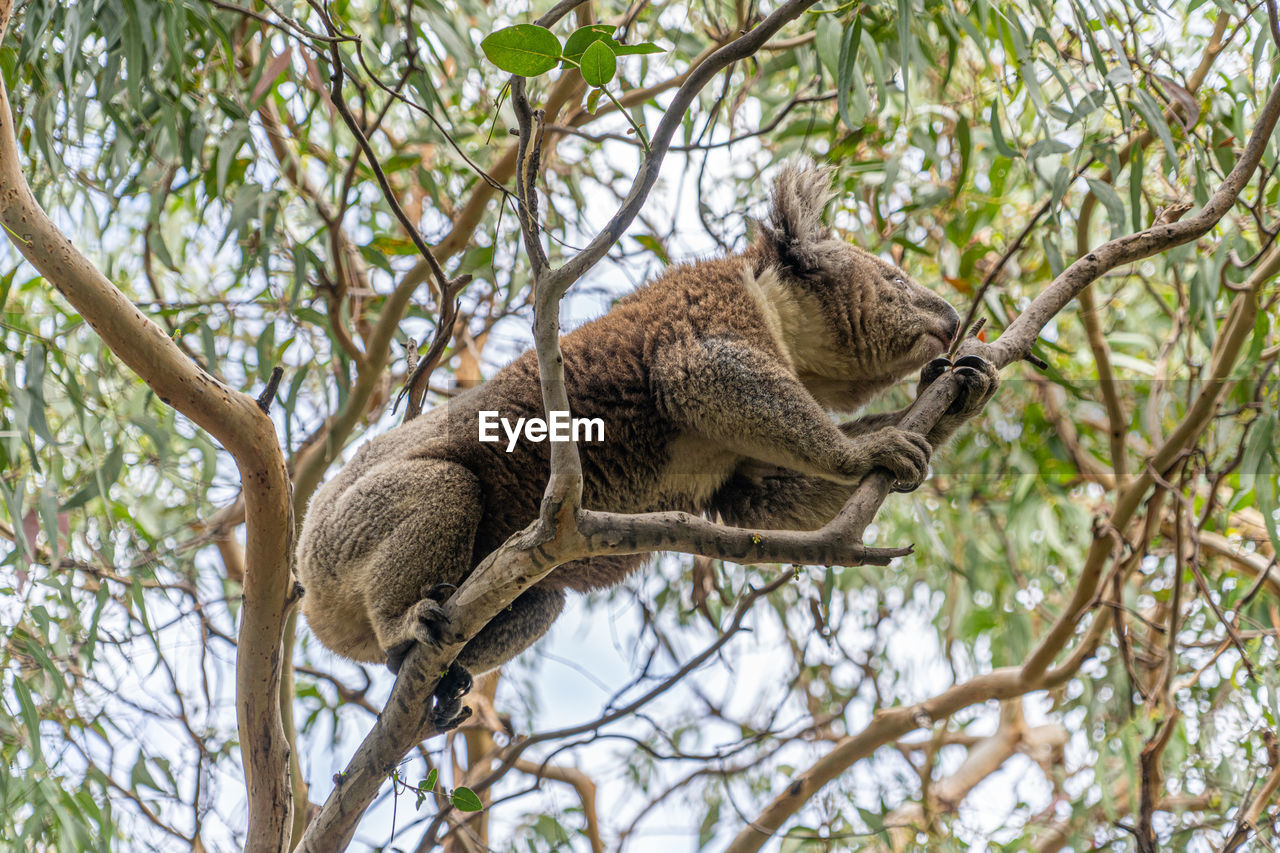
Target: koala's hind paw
x,y
425,622
448,711
905,454
979,379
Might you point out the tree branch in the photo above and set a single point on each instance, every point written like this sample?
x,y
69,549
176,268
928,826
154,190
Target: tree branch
x,y
231,417
1013,345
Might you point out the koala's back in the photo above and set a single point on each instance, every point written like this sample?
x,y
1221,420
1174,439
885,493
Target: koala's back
x,y
643,463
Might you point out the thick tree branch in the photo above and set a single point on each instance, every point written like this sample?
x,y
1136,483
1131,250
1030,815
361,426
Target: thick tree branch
x,y
231,417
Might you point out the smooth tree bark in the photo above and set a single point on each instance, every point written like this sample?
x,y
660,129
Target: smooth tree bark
x,y
234,419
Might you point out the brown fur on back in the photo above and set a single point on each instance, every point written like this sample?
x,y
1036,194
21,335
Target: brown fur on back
x,y
710,369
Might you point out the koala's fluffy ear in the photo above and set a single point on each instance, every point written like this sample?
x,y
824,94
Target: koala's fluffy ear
x,y
795,229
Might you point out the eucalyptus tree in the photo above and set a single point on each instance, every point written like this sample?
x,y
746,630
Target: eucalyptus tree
x,y
241,229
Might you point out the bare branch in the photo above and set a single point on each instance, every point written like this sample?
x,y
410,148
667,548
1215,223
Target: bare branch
x,y
659,144
336,79
235,420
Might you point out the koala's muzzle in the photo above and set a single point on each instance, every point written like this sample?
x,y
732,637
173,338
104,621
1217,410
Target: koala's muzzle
x,y
943,321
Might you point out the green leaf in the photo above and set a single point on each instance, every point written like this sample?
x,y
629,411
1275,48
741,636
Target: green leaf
x,y
583,37
35,365
6,284
1135,188
425,787
465,800
105,476
265,346
707,829
848,65
526,50
964,141
30,718
904,46
997,136
1106,194
1259,463
635,49
140,776
826,42
599,65
653,244
1154,117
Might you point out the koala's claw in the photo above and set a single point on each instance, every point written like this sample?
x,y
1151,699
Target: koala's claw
x,y
447,725
429,622
439,592
933,370
978,381
905,454
448,711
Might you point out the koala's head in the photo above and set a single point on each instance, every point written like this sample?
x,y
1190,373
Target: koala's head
x,y
877,325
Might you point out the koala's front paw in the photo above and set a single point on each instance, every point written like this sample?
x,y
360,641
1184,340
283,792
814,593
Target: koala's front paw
x,y
932,370
448,711
905,455
979,379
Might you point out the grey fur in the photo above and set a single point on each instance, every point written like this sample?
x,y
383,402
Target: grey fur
x,y
714,382
795,224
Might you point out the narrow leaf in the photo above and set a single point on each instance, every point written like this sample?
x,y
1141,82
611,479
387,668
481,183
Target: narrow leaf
x,y
997,136
848,66
1154,117
1106,194
634,49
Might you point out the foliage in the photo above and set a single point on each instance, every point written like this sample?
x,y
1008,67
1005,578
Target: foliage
x,y
193,150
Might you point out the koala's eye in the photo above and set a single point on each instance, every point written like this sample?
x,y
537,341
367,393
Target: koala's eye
x,y
899,281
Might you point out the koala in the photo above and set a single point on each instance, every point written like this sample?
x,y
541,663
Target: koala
x,y
715,383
